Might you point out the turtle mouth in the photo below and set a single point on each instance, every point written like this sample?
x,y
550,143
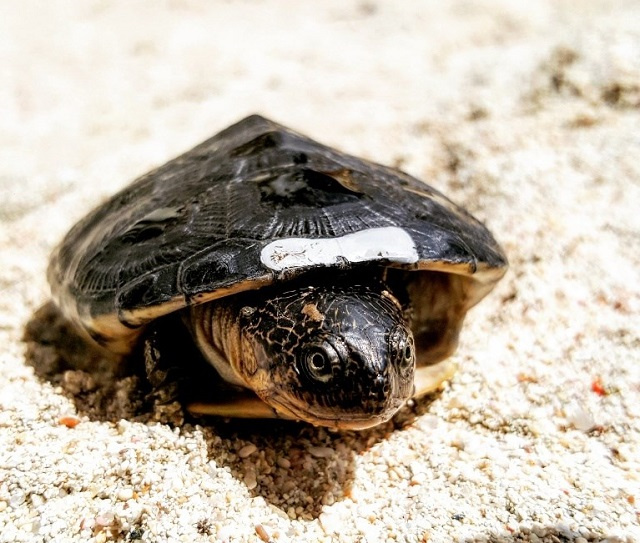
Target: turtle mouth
x,y
342,420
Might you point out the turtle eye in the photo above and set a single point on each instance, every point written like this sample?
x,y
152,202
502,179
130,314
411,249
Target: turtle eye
x,y
317,363
407,354
401,348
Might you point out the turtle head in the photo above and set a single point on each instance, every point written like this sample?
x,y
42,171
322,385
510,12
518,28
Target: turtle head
x,y
338,356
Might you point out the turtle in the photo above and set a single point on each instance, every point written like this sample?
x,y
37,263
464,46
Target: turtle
x,y
319,286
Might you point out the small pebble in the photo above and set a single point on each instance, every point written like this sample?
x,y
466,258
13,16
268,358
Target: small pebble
x,y
17,498
70,421
580,418
36,500
288,486
250,479
328,499
104,520
262,533
247,450
283,463
321,452
125,494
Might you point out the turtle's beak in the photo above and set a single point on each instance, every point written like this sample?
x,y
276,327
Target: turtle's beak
x,y
338,420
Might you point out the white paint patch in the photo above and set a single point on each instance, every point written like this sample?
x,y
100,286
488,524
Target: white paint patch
x,y
387,243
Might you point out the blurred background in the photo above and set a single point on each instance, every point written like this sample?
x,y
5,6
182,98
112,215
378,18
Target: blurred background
x,y
96,92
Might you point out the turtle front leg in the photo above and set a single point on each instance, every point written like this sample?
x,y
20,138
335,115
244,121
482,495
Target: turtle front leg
x,y
165,372
242,405
176,369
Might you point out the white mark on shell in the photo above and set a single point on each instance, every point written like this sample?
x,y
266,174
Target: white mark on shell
x,y
386,243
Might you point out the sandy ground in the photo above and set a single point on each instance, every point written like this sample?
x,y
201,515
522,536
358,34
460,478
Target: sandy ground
x,y
526,113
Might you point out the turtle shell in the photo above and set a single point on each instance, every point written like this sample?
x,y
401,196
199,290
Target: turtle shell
x,y
255,205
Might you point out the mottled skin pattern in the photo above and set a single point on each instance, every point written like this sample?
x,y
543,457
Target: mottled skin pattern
x,y
332,343
332,353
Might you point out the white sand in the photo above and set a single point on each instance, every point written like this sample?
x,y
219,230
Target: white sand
x,y
528,113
